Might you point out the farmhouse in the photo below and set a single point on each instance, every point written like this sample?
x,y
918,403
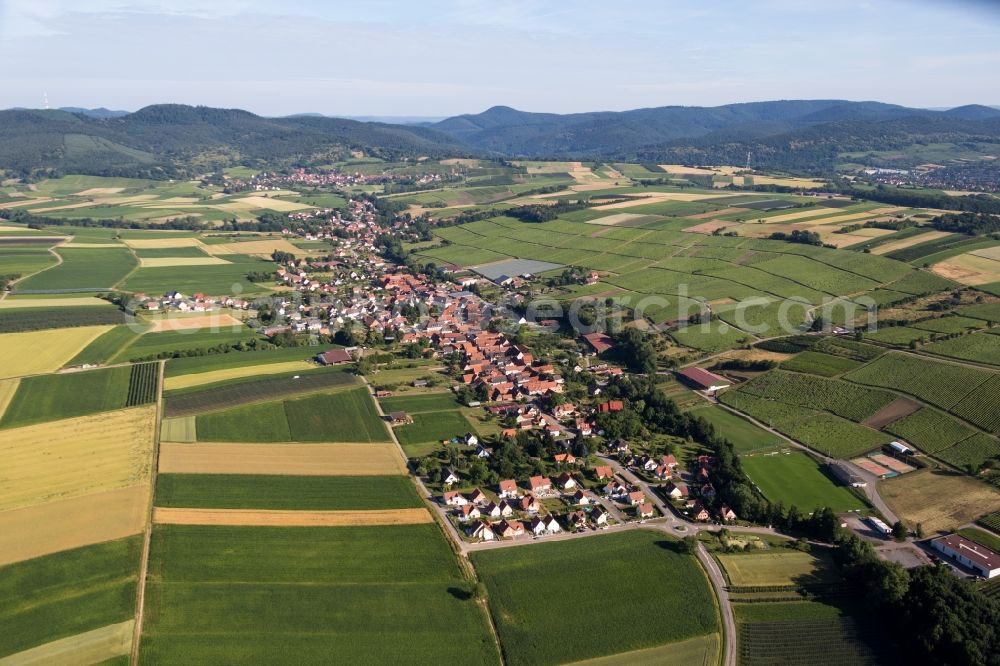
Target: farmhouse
x,y
334,357
399,418
599,342
703,379
969,553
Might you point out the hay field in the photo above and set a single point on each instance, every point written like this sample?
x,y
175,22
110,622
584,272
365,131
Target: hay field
x,y
73,457
14,303
619,218
769,568
79,521
290,518
284,459
988,253
99,190
681,169
805,183
49,209
939,501
969,269
34,352
909,242
838,219
8,387
709,227
92,647
154,243
657,197
260,247
178,429
200,378
214,321
159,262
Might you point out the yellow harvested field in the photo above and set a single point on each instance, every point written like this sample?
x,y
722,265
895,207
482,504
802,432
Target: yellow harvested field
x,y
681,169
969,269
100,190
285,459
26,202
35,352
281,518
708,215
619,218
909,242
92,647
13,303
988,253
843,240
92,246
873,233
939,500
270,203
263,247
213,321
802,214
805,183
79,204
768,568
709,227
159,262
657,197
73,457
154,243
464,161
79,521
8,387
698,650
837,219
200,378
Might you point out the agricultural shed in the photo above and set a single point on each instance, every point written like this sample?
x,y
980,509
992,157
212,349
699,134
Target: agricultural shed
x,y
971,554
704,379
334,357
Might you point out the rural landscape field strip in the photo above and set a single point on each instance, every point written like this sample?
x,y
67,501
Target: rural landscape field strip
x,y
34,352
211,377
46,528
528,585
51,397
285,458
290,518
67,593
103,645
42,318
220,592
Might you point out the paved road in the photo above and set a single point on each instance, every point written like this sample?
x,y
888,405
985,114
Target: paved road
x,y
725,607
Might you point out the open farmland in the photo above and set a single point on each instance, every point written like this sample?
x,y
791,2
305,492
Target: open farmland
x,y
212,279
43,351
318,493
978,347
795,479
939,501
529,585
428,427
818,363
163,345
211,377
841,398
218,593
291,517
68,593
106,346
73,457
235,361
285,458
777,568
414,404
930,430
50,397
83,270
39,318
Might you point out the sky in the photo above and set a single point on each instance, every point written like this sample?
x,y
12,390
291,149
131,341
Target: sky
x,y
446,57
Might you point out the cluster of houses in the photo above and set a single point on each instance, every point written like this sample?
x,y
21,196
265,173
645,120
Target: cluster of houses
x,y
265,181
196,302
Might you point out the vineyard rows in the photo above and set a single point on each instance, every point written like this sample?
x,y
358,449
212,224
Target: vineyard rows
x,y
832,641
142,384
930,430
841,398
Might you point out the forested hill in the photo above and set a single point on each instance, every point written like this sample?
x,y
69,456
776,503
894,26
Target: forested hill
x,y
789,134
172,139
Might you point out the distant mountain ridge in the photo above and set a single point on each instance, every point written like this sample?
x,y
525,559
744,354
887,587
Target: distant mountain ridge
x,y
167,140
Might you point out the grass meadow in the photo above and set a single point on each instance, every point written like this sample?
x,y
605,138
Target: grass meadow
x,y
67,593
744,435
52,397
315,493
659,595
83,270
300,595
796,479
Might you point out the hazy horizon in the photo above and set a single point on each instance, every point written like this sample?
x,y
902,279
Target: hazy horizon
x,y
448,57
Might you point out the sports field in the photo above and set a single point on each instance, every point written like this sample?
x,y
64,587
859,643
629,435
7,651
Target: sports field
x,y
251,595
795,479
530,588
744,435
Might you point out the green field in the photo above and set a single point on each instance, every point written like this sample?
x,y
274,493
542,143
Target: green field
x,y
796,479
837,397
83,270
978,347
531,589
300,595
67,593
244,390
930,430
34,319
52,397
345,416
818,363
414,404
192,364
106,346
318,493
982,537
430,427
24,261
744,435
217,279
163,344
